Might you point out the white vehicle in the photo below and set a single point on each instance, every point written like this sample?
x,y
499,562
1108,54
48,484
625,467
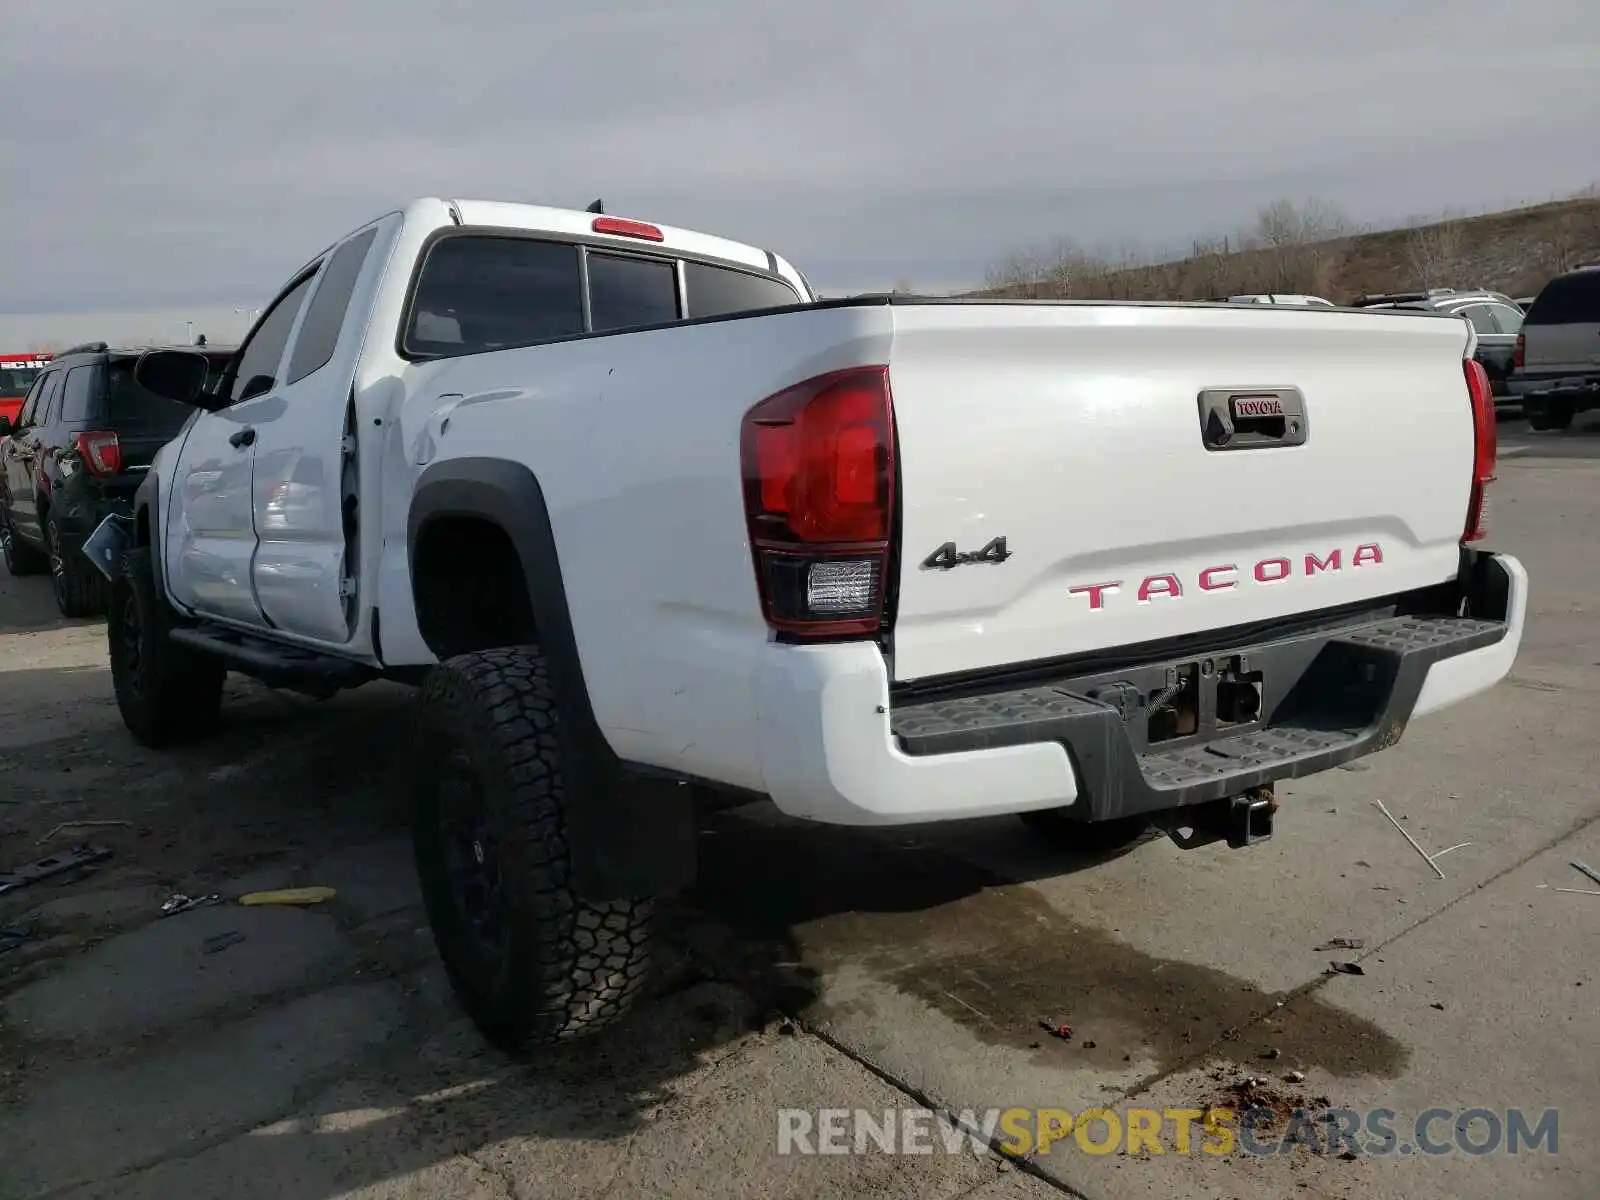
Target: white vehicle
x,y
647,524
1279,298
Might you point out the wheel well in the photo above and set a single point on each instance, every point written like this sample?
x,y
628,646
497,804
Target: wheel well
x,y
470,590
141,526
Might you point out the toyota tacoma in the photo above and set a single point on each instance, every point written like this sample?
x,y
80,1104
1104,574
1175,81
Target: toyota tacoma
x,y
646,523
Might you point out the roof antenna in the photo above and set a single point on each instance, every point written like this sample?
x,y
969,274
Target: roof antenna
x,y
596,207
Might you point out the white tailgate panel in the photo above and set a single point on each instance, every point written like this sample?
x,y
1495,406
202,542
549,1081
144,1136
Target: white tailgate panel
x,y
1074,432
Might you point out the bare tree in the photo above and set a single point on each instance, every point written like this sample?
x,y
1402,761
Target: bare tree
x,y
1436,252
1079,274
1307,246
1573,238
1325,233
1301,245
1020,273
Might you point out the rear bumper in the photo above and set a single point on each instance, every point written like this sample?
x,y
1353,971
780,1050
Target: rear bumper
x,y
79,510
834,748
1583,390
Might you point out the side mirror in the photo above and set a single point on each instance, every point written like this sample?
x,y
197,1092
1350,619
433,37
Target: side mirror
x,y
174,375
5,426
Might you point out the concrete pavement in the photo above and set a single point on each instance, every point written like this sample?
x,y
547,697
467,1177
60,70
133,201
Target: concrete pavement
x,y
318,1053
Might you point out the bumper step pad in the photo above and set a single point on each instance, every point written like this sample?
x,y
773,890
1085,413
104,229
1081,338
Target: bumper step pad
x,y
1337,695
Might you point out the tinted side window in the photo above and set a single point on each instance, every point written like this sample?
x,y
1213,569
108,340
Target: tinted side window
x,y
717,291
45,401
319,333
479,292
1478,314
219,368
77,394
627,292
1507,318
258,361
31,404
1567,300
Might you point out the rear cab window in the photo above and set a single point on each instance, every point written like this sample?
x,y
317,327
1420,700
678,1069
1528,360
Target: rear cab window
x,y
479,291
626,292
718,291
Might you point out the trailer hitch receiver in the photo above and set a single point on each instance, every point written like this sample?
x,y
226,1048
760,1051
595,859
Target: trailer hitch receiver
x,y
1250,816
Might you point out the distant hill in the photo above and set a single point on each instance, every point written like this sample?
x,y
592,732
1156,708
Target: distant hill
x,y
1311,249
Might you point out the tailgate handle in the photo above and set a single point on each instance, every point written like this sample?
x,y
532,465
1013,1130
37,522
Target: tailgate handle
x,y
1252,418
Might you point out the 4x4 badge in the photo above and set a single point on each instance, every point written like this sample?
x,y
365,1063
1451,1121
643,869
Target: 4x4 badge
x,y
947,556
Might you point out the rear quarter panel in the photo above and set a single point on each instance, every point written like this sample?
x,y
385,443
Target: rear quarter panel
x,y
634,439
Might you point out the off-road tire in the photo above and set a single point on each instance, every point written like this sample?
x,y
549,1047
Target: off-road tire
x,y
80,589
1555,415
167,693
492,745
20,558
1089,838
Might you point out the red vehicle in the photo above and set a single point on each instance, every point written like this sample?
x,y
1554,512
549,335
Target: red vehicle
x,y
17,373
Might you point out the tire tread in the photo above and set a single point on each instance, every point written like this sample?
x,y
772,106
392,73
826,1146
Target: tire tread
x,y
185,695
577,963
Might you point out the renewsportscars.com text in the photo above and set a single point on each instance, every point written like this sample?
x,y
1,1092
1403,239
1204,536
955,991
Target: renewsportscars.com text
x,y
1375,1132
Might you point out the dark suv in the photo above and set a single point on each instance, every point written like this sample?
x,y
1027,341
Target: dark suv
x,y
76,453
1558,355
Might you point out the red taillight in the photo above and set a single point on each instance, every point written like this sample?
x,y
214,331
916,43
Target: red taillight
x,y
1519,352
101,452
622,227
818,463
1485,451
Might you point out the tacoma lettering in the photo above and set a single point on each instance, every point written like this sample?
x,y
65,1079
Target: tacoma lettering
x,y
1169,585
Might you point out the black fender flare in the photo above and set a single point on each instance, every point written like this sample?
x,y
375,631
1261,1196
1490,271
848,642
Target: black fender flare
x,y
147,510
631,833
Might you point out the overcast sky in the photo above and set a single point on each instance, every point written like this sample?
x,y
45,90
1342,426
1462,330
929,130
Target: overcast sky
x,y
164,154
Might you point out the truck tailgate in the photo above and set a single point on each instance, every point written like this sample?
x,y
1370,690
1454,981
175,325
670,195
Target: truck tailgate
x,y
1078,433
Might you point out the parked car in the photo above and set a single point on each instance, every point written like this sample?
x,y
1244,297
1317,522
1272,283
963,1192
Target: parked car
x,y
17,373
1557,356
78,451
646,522
1273,298
1496,317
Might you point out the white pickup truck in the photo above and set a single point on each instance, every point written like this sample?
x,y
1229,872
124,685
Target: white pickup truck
x,y
647,523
